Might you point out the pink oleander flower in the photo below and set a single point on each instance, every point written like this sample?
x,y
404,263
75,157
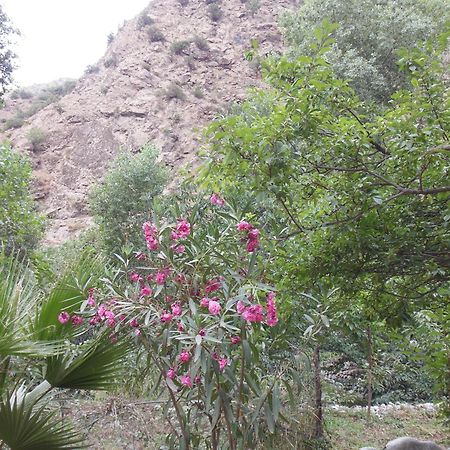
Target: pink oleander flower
x,y
272,318
204,302
180,278
202,332
137,332
140,256
166,317
134,323
176,309
240,307
213,285
180,326
111,322
184,356
91,302
101,311
146,291
161,277
253,313
235,340
252,246
152,243
135,277
171,373
215,356
216,200
109,314
77,320
244,226
122,317
183,228
186,381
223,362
178,249
63,317
198,379
95,320
149,229
214,308
113,338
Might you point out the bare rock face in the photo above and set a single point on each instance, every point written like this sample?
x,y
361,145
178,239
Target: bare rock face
x,y
142,91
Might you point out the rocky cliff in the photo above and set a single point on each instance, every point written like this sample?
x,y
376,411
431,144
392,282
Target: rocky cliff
x,y
164,75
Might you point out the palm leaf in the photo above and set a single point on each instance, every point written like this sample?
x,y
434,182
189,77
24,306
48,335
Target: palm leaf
x,y
96,367
24,427
68,294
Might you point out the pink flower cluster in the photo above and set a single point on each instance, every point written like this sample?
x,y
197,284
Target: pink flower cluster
x,y
151,233
182,230
252,236
255,312
216,200
212,304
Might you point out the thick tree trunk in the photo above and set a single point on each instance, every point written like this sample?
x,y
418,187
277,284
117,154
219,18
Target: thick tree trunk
x,y
318,429
369,370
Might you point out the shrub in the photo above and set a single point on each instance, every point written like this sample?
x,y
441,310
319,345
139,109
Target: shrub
x,y
201,314
21,93
110,38
21,226
178,47
190,62
369,35
123,200
155,35
174,90
253,6
14,122
144,20
215,13
111,61
198,92
36,137
91,69
200,42
183,2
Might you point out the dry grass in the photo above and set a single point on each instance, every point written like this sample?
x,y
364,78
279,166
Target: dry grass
x,y
115,423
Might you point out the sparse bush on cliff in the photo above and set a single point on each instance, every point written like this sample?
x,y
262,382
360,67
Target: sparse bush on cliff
x,y
110,38
183,2
13,122
178,47
155,34
215,12
36,137
144,20
200,42
174,90
198,92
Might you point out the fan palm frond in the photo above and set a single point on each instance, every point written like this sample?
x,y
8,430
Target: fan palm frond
x,y
96,367
23,426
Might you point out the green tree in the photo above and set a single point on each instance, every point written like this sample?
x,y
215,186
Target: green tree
x,y
7,56
368,37
122,202
21,226
361,196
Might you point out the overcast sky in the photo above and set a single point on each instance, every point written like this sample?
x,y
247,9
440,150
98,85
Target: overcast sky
x,y
61,37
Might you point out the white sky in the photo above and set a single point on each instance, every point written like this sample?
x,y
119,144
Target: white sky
x,y
61,37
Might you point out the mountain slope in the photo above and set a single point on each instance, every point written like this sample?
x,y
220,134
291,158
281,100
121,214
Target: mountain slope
x,y
150,86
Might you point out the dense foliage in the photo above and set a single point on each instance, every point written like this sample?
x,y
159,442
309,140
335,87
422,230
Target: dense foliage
x,y
21,226
368,36
7,56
